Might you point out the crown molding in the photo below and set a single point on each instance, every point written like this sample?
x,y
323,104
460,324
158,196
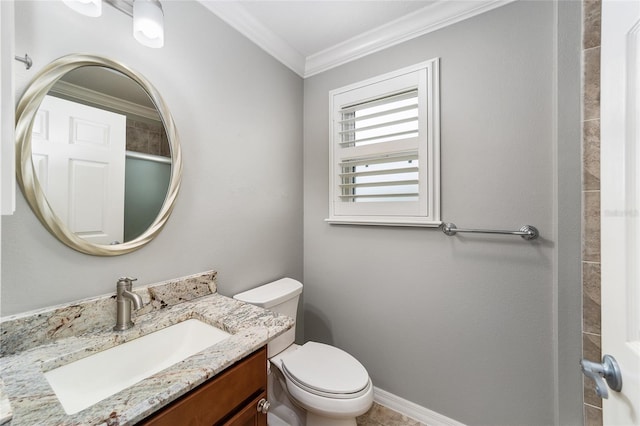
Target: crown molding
x,y
437,15
97,98
430,18
234,14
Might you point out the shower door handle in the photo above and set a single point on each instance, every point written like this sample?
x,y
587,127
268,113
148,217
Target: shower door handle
x,y
607,370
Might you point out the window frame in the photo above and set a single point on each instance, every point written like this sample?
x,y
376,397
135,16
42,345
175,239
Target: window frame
x,y
426,211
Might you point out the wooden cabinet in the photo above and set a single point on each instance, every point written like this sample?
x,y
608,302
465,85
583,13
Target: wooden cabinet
x,y
250,416
231,398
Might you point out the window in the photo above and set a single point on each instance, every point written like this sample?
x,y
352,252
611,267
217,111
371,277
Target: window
x,y
385,164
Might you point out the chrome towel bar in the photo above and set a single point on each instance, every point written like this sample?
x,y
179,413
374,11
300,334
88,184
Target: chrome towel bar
x,y
527,232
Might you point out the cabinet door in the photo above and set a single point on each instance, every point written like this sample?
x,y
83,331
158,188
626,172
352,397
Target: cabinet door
x,y
220,398
249,415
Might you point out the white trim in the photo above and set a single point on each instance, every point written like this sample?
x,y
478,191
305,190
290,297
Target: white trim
x,y
234,14
7,108
430,18
367,220
410,409
99,98
437,15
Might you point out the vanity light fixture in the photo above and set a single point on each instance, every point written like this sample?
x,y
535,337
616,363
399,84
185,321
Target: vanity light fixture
x,y
148,17
91,8
148,23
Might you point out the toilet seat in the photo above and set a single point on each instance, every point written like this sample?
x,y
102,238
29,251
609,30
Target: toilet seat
x,y
326,371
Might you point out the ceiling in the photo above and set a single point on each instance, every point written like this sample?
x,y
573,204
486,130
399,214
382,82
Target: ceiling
x,y
312,26
312,36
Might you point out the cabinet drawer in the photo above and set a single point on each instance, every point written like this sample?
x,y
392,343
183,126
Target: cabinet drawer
x,y
219,398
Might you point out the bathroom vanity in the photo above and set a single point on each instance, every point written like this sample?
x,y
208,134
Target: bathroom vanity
x,y
223,384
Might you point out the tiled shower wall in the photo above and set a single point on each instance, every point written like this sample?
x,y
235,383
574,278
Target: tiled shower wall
x,y
591,335
147,137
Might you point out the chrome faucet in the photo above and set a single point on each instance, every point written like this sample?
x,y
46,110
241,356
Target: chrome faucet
x,y
124,298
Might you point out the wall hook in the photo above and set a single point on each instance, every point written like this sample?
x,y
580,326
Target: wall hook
x,y
26,60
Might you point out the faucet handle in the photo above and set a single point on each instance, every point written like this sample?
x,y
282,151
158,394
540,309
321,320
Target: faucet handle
x,y
125,283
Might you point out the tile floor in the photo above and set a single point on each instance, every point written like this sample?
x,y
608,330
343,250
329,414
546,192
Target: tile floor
x,y
379,415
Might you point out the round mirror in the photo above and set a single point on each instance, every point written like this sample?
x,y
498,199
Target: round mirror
x,y
98,157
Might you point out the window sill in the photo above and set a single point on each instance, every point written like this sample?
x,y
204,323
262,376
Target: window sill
x,y
413,222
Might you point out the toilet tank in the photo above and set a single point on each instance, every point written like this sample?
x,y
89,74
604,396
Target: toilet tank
x,y
279,296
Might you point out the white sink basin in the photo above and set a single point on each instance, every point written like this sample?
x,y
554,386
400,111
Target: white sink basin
x,y
82,383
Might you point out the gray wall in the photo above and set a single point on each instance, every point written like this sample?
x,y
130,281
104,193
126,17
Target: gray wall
x,y
568,206
464,325
240,207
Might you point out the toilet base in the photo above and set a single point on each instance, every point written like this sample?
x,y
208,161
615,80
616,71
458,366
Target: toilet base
x,y
283,411
316,420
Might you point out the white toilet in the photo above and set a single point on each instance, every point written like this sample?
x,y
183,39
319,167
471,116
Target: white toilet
x,y
330,385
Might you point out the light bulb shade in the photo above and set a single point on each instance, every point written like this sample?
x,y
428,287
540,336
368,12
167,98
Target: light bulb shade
x,y
148,23
91,8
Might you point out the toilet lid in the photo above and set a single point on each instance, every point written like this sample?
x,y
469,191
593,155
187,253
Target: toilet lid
x,y
325,369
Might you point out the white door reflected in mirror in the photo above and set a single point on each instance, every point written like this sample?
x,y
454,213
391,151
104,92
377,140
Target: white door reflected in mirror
x,y
79,159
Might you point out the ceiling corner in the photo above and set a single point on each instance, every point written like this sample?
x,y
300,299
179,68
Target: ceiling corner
x,y
234,14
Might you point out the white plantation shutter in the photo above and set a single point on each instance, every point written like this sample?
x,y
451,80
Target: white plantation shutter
x,y
384,149
382,179
390,118
386,176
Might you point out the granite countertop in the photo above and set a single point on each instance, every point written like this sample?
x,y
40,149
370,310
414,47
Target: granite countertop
x,y
41,341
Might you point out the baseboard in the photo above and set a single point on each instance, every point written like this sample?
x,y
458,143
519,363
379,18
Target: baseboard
x,y
410,409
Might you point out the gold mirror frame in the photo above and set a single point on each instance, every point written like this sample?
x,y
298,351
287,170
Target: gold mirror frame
x,y
25,172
